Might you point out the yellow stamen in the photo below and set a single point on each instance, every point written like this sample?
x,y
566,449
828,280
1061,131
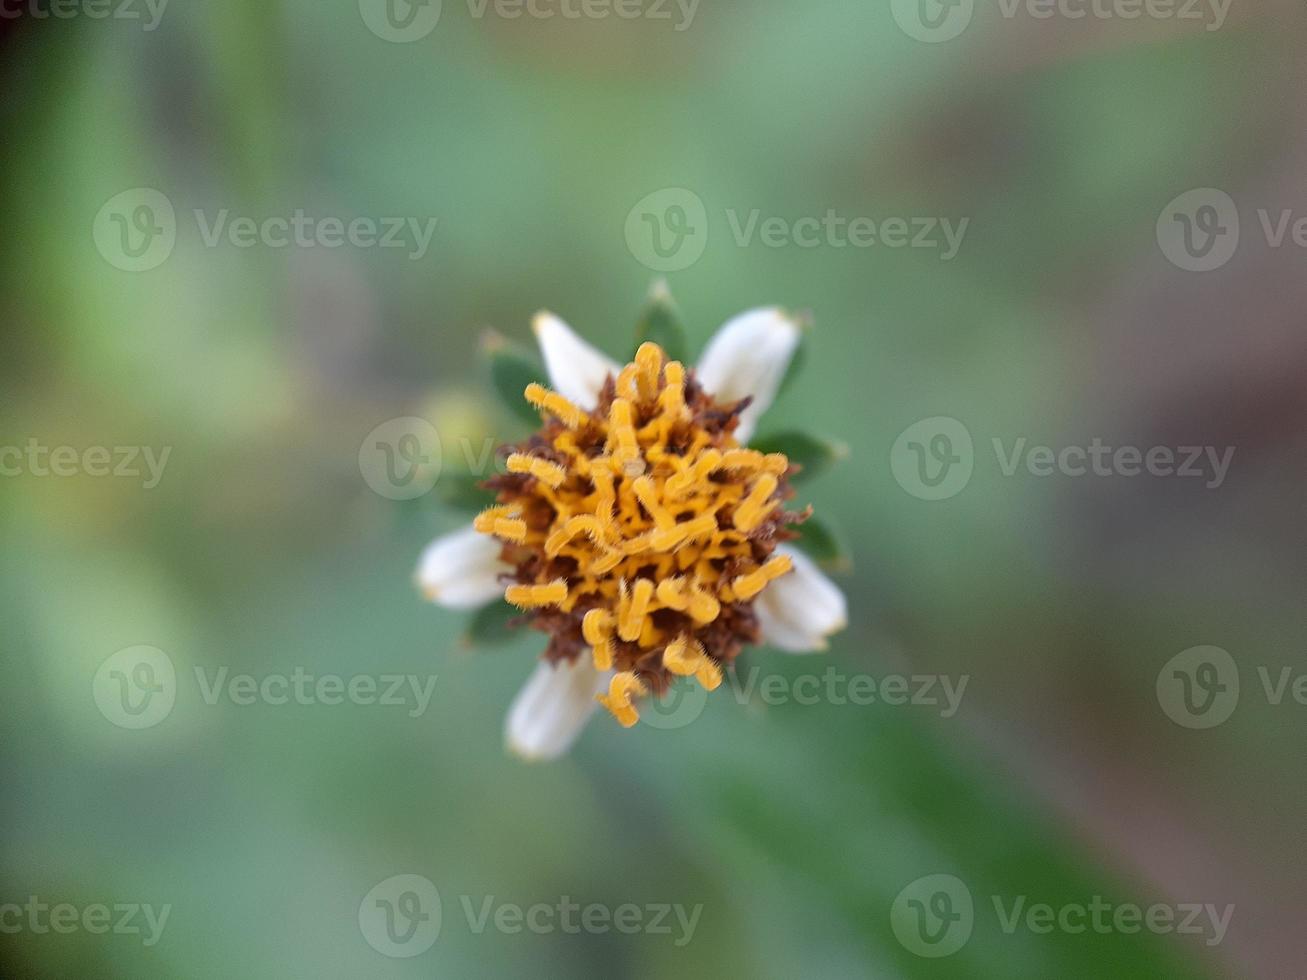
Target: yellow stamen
x,y
636,513
607,561
678,534
633,608
680,659
757,505
748,586
621,435
750,459
581,524
622,692
695,475
647,494
649,365
671,593
709,675
510,530
597,628
531,596
554,403
704,607
550,474
686,657
485,521
672,400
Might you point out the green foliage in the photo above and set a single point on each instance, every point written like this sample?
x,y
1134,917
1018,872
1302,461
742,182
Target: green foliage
x,y
661,323
813,454
511,370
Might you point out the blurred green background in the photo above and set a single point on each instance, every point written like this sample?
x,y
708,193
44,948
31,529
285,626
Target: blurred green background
x,y
263,549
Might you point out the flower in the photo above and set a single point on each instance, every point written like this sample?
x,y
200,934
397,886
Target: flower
x,y
638,532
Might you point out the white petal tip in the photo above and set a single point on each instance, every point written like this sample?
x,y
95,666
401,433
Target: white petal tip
x,y
577,370
542,321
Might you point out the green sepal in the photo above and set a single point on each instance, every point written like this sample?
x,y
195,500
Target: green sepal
x,y
821,543
800,359
511,370
813,454
489,626
461,490
661,323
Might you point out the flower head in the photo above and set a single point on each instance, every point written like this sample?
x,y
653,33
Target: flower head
x,y
637,531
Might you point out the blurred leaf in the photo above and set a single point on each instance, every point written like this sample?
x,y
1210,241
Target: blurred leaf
x,y
800,359
511,370
490,626
824,545
814,454
461,490
661,324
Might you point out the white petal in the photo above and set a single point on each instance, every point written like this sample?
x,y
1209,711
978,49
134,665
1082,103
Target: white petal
x,y
749,356
577,370
461,570
550,711
800,610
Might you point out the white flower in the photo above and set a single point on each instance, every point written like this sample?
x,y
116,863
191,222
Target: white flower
x,y
797,611
461,570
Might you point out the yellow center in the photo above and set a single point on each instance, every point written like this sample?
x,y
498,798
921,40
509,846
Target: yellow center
x,y
642,525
